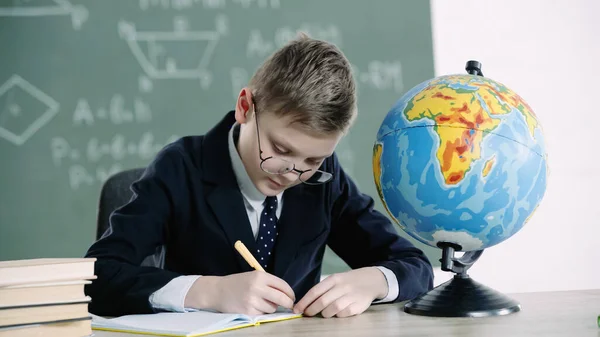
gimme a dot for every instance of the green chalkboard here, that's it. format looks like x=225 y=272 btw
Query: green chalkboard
x=89 y=88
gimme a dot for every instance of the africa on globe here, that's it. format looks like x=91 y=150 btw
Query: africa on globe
x=460 y=159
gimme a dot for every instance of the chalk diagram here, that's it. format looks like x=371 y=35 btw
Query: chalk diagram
x=24 y=109
x=177 y=54
x=31 y=8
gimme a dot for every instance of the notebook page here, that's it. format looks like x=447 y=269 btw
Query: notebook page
x=188 y=323
x=279 y=315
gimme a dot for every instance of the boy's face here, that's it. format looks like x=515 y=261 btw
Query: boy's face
x=282 y=139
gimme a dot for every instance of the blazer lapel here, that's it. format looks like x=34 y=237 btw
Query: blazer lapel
x=225 y=197
x=228 y=205
x=297 y=225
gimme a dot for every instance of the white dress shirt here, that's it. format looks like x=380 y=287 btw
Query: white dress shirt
x=171 y=297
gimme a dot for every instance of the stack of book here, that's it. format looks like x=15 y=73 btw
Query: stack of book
x=45 y=297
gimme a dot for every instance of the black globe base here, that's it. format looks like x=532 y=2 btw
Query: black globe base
x=462 y=297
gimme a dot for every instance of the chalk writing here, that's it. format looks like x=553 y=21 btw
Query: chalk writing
x=145 y=85
x=18 y=124
x=181 y=5
x=118 y=148
x=98 y=160
x=79 y=175
x=260 y=46
x=78 y=13
x=259 y=3
x=381 y=75
x=177 y=54
x=116 y=112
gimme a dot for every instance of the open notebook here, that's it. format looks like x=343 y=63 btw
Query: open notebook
x=188 y=324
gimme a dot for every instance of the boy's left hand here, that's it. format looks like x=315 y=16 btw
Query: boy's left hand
x=344 y=294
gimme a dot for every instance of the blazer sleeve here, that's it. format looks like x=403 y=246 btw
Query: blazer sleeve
x=136 y=230
x=362 y=236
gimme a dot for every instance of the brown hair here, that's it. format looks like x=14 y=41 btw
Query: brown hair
x=309 y=80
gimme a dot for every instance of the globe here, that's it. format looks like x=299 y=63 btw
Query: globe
x=460 y=159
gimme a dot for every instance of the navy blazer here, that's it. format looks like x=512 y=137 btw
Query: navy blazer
x=188 y=200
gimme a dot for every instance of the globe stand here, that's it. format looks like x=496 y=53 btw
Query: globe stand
x=461 y=296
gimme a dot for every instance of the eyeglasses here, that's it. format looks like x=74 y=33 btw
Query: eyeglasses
x=275 y=165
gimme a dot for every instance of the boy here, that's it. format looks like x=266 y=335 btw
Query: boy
x=266 y=175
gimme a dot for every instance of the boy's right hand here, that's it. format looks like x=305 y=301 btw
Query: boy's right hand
x=251 y=293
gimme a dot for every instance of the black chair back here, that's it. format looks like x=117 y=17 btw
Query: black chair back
x=116 y=192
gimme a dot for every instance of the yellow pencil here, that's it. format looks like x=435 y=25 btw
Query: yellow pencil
x=241 y=248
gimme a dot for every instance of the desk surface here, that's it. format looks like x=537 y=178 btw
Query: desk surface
x=565 y=313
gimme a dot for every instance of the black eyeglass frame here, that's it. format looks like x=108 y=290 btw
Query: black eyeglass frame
x=293 y=165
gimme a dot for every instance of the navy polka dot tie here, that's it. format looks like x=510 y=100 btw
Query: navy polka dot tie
x=267 y=232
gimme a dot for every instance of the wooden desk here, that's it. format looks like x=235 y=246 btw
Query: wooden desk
x=568 y=313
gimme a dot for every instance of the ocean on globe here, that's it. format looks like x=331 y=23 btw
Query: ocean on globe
x=460 y=159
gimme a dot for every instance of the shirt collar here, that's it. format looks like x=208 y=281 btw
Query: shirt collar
x=254 y=197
